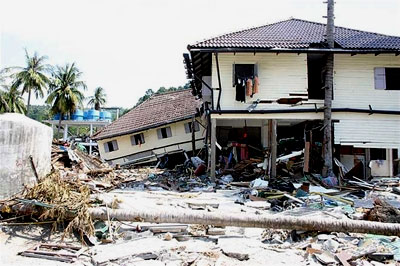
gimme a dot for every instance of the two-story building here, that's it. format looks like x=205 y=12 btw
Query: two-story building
x=272 y=77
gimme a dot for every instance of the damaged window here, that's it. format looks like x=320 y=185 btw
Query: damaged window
x=137 y=139
x=378 y=154
x=387 y=78
x=316 y=76
x=188 y=127
x=111 y=146
x=164 y=133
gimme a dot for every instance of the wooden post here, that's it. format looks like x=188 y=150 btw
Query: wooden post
x=272 y=135
x=90 y=141
x=306 y=157
x=389 y=157
x=213 y=147
x=65 y=137
x=327 y=141
x=367 y=160
x=193 y=136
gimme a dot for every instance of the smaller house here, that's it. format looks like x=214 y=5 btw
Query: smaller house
x=160 y=125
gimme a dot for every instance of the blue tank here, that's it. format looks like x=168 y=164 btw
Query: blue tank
x=102 y=115
x=107 y=116
x=56 y=117
x=93 y=115
x=77 y=115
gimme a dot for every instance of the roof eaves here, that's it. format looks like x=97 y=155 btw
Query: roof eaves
x=143 y=128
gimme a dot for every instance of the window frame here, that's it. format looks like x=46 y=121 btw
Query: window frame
x=167 y=130
x=188 y=127
x=135 y=137
x=381 y=79
x=113 y=146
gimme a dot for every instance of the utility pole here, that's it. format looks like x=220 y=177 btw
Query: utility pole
x=327 y=142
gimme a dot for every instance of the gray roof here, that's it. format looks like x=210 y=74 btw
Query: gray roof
x=299 y=34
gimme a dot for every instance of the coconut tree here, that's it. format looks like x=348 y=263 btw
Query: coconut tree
x=98 y=99
x=65 y=94
x=11 y=100
x=3 y=103
x=32 y=77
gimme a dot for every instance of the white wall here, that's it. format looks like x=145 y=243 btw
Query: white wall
x=279 y=75
x=354 y=85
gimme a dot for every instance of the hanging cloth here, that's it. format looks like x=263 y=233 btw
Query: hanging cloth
x=256 y=85
x=249 y=87
x=240 y=91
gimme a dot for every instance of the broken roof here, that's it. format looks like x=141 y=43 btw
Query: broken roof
x=299 y=34
x=158 y=110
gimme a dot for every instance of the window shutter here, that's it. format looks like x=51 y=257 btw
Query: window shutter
x=133 y=141
x=106 y=147
x=169 y=134
x=187 y=128
x=115 y=145
x=380 y=78
x=159 y=133
x=196 y=126
x=142 y=137
x=256 y=70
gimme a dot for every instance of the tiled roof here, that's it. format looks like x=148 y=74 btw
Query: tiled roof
x=156 y=111
x=297 y=34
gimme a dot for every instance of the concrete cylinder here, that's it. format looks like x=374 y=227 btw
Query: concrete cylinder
x=20 y=138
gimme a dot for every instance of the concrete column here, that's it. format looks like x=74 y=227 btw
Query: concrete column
x=213 y=147
x=272 y=132
x=65 y=132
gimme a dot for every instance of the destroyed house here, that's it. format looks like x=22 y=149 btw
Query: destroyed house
x=158 y=126
x=268 y=80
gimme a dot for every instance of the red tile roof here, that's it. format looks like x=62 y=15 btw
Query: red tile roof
x=158 y=110
x=298 y=34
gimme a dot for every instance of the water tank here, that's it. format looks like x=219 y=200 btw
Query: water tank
x=77 y=115
x=93 y=114
x=102 y=115
x=107 y=116
x=56 y=117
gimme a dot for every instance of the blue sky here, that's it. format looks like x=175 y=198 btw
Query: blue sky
x=128 y=47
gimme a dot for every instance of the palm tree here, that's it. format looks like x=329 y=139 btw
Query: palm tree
x=32 y=77
x=98 y=99
x=3 y=103
x=64 y=91
x=11 y=100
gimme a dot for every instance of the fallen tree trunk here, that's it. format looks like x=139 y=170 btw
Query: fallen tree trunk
x=249 y=220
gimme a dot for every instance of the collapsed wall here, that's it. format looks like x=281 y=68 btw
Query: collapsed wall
x=20 y=138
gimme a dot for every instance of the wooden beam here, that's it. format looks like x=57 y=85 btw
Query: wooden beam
x=272 y=135
x=193 y=135
x=213 y=148
x=367 y=160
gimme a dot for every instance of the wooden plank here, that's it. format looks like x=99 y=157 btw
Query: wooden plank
x=306 y=157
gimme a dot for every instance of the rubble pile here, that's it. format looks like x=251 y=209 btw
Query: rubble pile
x=80 y=183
